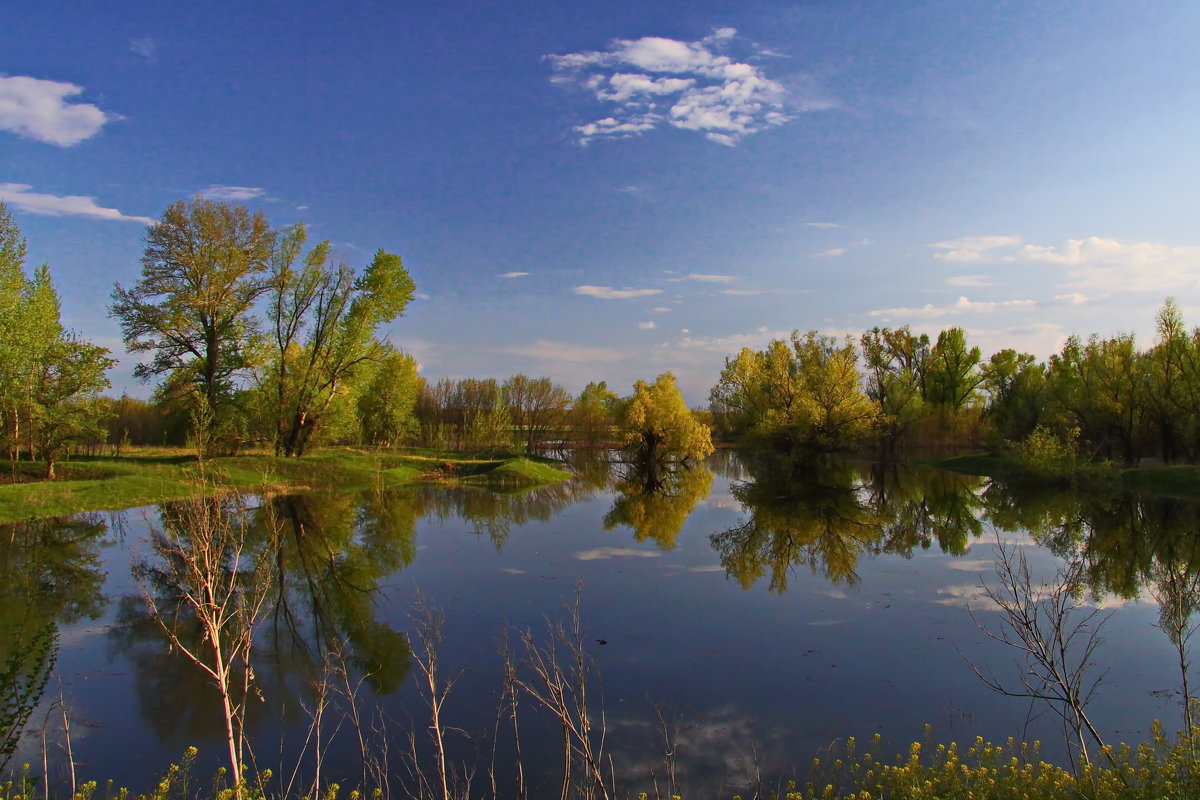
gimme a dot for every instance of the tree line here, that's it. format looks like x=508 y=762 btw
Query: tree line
x=894 y=389
x=255 y=336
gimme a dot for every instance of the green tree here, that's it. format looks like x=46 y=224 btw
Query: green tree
x=594 y=413
x=953 y=375
x=66 y=404
x=895 y=364
x=1017 y=393
x=657 y=425
x=388 y=398
x=325 y=319
x=806 y=394
x=204 y=266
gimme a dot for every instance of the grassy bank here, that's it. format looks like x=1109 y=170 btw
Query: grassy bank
x=1171 y=481
x=148 y=476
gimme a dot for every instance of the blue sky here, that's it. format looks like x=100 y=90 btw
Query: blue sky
x=610 y=190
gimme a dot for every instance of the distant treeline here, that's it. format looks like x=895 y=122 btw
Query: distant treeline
x=894 y=390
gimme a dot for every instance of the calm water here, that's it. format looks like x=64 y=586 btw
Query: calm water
x=765 y=615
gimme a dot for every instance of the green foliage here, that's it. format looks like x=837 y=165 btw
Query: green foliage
x=204 y=266
x=1045 y=456
x=387 y=399
x=594 y=414
x=657 y=426
x=805 y=395
x=324 y=321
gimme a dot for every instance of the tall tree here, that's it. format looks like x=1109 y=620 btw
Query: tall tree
x=205 y=264
x=325 y=319
x=953 y=375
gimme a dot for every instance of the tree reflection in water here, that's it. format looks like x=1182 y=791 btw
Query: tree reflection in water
x=330 y=555
x=656 y=500
x=827 y=517
x=53 y=577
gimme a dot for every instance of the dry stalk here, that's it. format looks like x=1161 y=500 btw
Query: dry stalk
x=563 y=692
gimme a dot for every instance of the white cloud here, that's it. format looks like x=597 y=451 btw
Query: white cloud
x=654 y=81
x=217 y=192
x=832 y=252
x=1072 y=298
x=513 y=274
x=970 y=280
x=745 y=292
x=545 y=350
x=145 y=47
x=1110 y=265
x=730 y=344
x=38 y=109
x=647 y=326
x=962 y=305
x=1093 y=264
x=660 y=309
x=695 y=276
x=49 y=205
x=824 y=225
x=609 y=293
x=973 y=248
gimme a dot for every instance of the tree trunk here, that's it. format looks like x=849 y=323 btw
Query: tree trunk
x=49 y=467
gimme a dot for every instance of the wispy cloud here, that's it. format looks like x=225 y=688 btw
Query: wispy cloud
x=218 y=192
x=661 y=309
x=963 y=305
x=647 y=326
x=50 y=205
x=609 y=293
x=832 y=252
x=654 y=81
x=970 y=280
x=972 y=248
x=824 y=225
x=145 y=47
x=546 y=350
x=513 y=274
x=696 y=276
x=40 y=110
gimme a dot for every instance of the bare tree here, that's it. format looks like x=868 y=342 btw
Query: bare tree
x=1055 y=636
x=207 y=579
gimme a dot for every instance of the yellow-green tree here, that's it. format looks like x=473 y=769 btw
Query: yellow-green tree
x=657 y=425
x=806 y=393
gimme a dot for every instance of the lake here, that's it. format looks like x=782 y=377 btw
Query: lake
x=756 y=616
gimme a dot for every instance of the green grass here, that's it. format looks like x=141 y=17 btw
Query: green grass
x=1171 y=481
x=145 y=477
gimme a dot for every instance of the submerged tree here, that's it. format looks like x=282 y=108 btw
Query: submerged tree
x=658 y=426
